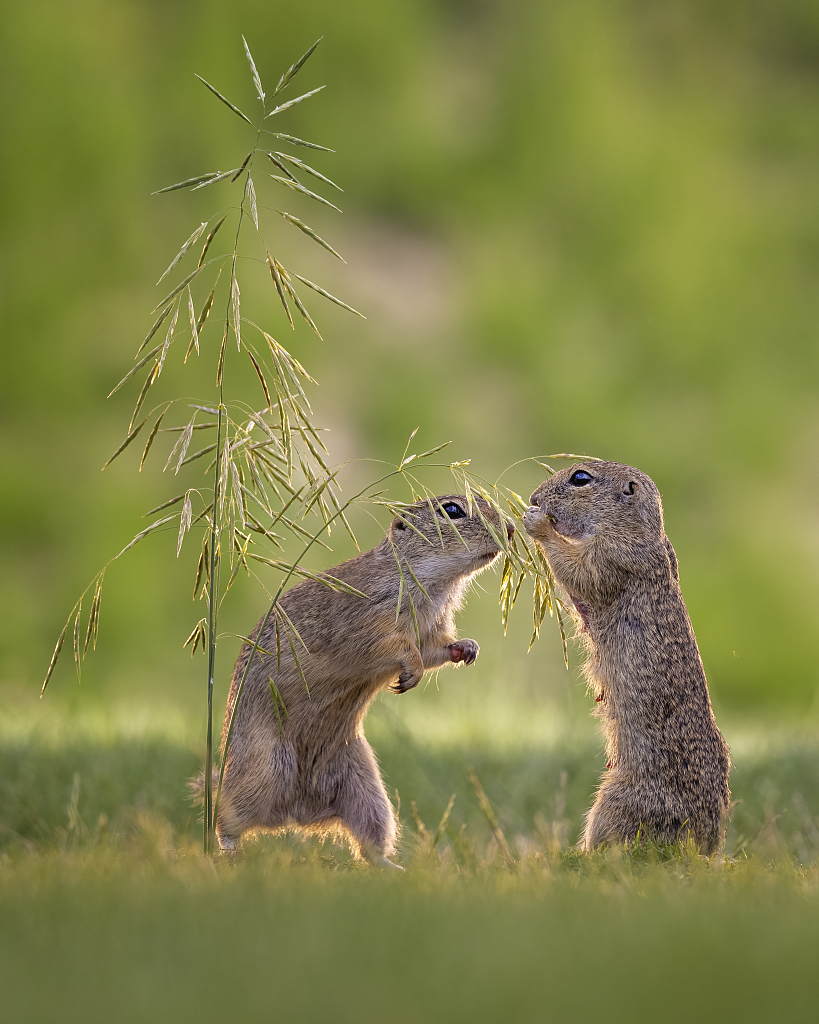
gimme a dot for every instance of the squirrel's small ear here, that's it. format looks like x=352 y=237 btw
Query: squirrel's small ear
x=398 y=523
x=631 y=487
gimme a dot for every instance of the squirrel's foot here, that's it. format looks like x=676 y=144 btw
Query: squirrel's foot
x=464 y=650
x=406 y=681
x=372 y=855
x=385 y=862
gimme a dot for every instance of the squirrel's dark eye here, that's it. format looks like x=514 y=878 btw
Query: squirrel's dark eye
x=580 y=477
x=454 y=511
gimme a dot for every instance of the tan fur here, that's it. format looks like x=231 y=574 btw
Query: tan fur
x=668 y=765
x=314 y=769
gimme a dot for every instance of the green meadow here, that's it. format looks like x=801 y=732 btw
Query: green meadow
x=584 y=226
x=109 y=907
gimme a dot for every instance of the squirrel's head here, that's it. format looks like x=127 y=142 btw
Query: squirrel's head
x=447 y=537
x=600 y=524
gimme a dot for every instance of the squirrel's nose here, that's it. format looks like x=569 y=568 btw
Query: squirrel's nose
x=510 y=530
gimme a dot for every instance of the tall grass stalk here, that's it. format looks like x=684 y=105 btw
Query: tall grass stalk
x=269 y=468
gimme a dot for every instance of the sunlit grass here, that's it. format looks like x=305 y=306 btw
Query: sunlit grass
x=109 y=910
x=91 y=770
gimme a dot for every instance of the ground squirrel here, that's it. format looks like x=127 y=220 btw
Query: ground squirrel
x=310 y=767
x=600 y=525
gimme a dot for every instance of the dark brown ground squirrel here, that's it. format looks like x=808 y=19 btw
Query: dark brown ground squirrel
x=600 y=525
x=311 y=766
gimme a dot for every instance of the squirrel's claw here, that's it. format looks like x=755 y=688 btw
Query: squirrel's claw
x=464 y=650
x=406 y=681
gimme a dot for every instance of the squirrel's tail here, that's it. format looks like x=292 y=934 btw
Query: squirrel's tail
x=196 y=789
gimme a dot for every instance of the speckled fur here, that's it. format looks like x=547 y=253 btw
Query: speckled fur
x=668 y=765
x=317 y=771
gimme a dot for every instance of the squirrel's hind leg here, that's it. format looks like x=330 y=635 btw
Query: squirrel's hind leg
x=362 y=804
x=257 y=786
x=612 y=818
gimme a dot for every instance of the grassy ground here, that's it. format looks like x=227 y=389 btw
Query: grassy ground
x=108 y=911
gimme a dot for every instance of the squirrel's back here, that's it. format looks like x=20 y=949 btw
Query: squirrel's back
x=405 y=590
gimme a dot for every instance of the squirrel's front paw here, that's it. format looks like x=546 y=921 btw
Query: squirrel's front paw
x=406 y=681
x=464 y=650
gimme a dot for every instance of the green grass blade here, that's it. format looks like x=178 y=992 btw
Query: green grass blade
x=282 y=168
x=184 y=522
x=200 y=567
x=294 y=69
x=172 y=295
x=136 y=368
x=143 y=393
x=316 y=238
x=200 y=323
x=261 y=377
x=217 y=177
x=194 y=343
x=276 y=697
x=209 y=239
x=417 y=581
x=77 y=652
x=292 y=103
x=256 y=80
x=157 y=324
x=237 y=491
x=188 y=182
x=164 y=505
x=275 y=273
x=443 y=823
x=491 y=817
x=144 y=533
x=290 y=628
x=220 y=366
x=197 y=455
x=235 y=296
x=300 y=142
x=94 y=616
x=181 y=446
x=224 y=99
x=126 y=442
x=54 y=657
x=307 y=169
x=563 y=639
x=167 y=345
x=432 y=451
x=251 y=195
x=291 y=291
x=338 y=302
x=244 y=164
x=196 y=234
x=304 y=191
x=198 y=635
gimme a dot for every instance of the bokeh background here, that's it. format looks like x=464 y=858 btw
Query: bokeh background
x=574 y=225
x=587 y=226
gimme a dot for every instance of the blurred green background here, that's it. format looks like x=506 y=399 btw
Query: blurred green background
x=587 y=226
x=583 y=225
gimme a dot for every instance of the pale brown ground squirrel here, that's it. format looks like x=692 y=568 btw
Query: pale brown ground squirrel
x=600 y=525
x=310 y=767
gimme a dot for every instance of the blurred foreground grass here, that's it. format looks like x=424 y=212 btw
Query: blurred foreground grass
x=108 y=910
x=90 y=936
